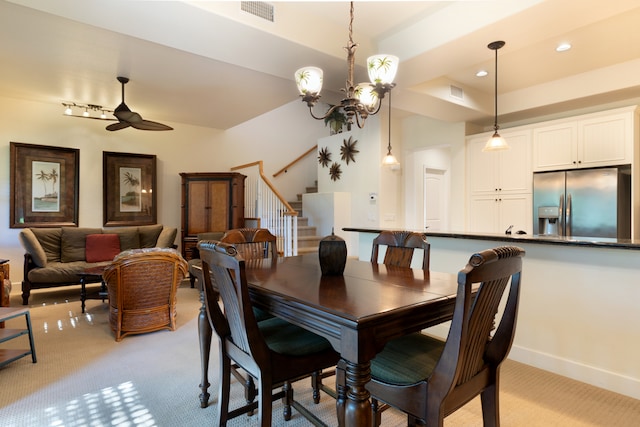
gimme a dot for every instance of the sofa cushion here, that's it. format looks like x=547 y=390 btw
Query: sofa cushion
x=50 y=239
x=149 y=235
x=31 y=244
x=73 y=243
x=167 y=237
x=62 y=272
x=102 y=247
x=129 y=236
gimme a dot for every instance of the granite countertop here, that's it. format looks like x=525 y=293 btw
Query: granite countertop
x=599 y=242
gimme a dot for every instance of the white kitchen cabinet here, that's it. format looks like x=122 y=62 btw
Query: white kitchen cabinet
x=499 y=184
x=592 y=140
x=505 y=172
x=494 y=214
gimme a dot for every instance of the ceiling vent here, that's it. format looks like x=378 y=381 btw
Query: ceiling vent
x=456 y=92
x=258 y=8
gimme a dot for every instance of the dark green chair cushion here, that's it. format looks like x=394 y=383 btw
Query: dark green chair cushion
x=285 y=338
x=407 y=360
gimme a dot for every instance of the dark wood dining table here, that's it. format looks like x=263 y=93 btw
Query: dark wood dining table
x=358 y=312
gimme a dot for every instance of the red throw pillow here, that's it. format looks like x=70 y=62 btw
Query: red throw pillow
x=101 y=247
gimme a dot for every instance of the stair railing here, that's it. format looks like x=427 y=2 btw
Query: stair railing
x=263 y=202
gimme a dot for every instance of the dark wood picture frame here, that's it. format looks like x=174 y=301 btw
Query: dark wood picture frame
x=129 y=191
x=45 y=184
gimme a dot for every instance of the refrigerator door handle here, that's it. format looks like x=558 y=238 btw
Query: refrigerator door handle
x=568 y=216
x=561 y=219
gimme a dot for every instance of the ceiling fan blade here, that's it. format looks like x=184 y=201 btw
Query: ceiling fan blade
x=149 y=125
x=118 y=126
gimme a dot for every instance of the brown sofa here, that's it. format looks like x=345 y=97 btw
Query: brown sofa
x=55 y=256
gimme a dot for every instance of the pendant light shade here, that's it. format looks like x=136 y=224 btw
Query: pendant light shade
x=496 y=142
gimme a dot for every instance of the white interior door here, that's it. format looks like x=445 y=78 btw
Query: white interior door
x=436 y=199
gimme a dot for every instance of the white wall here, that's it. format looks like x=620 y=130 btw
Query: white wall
x=439 y=145
x=277 y=138
x=360 y=178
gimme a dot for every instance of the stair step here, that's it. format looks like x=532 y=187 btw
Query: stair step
x=302 y=251
x=306 y=230
x=309 y=241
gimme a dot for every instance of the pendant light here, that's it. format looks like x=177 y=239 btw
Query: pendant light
x=389 y=159
x=496 y=142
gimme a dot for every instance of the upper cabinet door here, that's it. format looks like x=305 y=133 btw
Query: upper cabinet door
x=514 y=173
x=481 y=167
x=555 y=146
x=606 y=141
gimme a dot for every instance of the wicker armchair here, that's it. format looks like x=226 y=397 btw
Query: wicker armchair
x=142 y=286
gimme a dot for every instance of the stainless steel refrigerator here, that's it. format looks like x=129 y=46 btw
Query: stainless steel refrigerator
x=583 y=203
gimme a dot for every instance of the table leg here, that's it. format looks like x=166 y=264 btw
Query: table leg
x=83 y=291
x=357 y=407
x=204 y=333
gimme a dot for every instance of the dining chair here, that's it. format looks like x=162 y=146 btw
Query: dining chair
x=429 y=378
x=400 y=248
x=273 y=351
x=255 y=245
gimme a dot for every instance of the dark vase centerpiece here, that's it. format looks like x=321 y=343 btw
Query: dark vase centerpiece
x=332 y=252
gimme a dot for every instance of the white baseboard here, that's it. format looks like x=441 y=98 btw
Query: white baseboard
x=578 y=371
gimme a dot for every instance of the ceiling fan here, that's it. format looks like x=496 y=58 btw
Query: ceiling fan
x=127 y=118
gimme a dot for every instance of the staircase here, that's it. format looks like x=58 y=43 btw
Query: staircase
x=308 y=241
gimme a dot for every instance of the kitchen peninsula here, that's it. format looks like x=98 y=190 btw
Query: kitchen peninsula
x=578 y=312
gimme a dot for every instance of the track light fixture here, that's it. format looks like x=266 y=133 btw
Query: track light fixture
x=362 y=100
x=71 y=107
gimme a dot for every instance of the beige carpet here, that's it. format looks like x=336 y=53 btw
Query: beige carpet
x=84 y=378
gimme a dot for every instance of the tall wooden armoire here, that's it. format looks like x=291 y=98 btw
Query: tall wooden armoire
x=211 y=201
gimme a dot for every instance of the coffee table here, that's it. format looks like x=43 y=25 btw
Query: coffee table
x=92 y=275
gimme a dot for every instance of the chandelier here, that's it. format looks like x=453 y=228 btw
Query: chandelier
x=361 y=100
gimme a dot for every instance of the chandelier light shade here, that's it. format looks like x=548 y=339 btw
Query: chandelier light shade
x=496 y=142
x=361 y=100
x=309 y=80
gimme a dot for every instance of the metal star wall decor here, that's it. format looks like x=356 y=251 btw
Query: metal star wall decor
x=335 y=171
x=348 y=150
x=325 y=157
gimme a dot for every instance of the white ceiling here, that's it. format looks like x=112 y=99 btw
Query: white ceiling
x=210 y=64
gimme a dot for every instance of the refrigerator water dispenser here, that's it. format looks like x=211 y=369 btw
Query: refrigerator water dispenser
x=548 y=218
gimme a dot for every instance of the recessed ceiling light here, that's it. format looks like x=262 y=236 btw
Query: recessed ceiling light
x=563 y=47
x=482 y=73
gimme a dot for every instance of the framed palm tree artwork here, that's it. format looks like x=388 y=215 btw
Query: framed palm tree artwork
x=129 y=189
x=44 y=185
